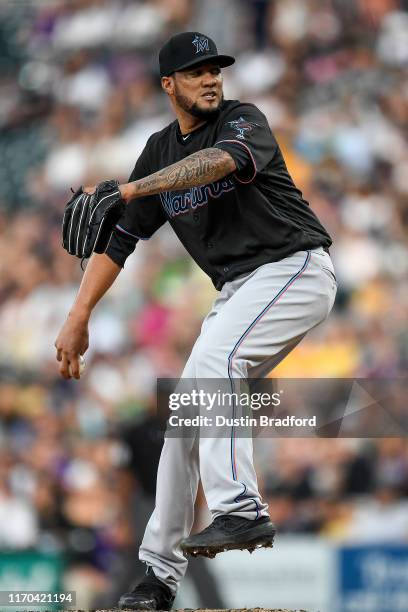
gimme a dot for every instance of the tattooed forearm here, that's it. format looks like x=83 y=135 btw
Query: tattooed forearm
x=200 y=168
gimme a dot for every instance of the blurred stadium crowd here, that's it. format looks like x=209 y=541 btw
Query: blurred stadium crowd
x=80 y=96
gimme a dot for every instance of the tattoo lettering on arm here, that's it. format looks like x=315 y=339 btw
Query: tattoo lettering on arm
x=198 y=169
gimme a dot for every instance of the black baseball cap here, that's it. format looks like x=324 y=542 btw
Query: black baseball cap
x=190 y=49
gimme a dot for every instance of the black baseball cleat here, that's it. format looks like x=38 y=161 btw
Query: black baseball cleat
x=228 y=532
x=150 y=594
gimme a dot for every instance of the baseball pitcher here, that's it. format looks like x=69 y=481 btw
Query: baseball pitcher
x=217 y=175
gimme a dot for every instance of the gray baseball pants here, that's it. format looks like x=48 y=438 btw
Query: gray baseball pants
x=255 y=321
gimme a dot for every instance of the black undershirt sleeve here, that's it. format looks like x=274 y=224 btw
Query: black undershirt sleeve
x=141 y=219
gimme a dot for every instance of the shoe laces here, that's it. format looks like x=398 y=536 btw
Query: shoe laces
x=225 y=522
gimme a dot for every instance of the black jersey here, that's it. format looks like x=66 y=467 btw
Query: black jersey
x=232 y=226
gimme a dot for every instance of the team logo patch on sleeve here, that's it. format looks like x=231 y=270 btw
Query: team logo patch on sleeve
x=241 y=126
x=201 y=44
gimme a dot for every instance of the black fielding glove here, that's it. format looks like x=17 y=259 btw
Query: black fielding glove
x=89 y=220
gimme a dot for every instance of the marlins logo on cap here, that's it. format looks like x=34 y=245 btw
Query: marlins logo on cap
x=201 y=43
x=190 y=49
